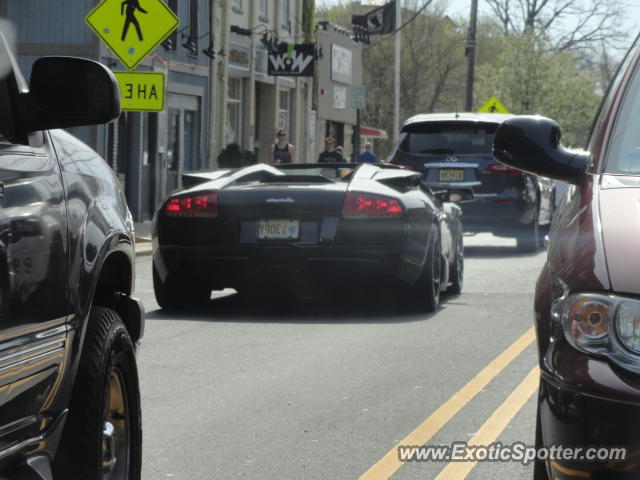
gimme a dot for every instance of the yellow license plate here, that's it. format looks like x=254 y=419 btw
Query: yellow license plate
x=278 y=229
x=451 y=174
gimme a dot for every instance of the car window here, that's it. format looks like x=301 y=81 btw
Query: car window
x=624 y=152
x=448 y=138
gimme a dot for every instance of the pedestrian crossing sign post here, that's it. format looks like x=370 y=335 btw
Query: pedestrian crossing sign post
x=141 y=91
x=493 y=105
x=132 y=29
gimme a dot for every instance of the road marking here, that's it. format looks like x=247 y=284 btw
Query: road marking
x=495 y=425
x=390 y=463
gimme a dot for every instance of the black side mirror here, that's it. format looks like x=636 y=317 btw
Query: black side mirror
x=70 y=92
x=532 y=144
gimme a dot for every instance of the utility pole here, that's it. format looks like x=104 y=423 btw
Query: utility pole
x=470 y=51
x=396 y=84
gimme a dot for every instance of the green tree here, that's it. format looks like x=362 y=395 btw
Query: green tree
x=432 y=63
x=530 y=77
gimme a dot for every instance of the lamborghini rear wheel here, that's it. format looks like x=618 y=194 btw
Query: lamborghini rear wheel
x=425 y=293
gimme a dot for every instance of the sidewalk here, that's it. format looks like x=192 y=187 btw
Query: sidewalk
x=143 y=238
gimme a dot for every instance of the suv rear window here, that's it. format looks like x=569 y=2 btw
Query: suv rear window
x=435 y=138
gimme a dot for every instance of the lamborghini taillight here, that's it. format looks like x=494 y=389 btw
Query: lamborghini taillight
x=202 y=206
x=361 y=205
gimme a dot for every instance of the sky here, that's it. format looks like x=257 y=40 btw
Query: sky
x=462 y=8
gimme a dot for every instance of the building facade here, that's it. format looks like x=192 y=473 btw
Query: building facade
x=218 y=91
x=250 y=104
x=148 y=150
x=339 y=71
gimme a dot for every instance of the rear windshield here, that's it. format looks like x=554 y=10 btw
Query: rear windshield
x=448 y=138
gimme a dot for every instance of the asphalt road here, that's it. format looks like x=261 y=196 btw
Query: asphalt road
x=327 y=389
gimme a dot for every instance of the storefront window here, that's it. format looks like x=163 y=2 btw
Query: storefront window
x=284 y=14
x=283 y=110
x=190 y=135
x=264 y=9
x=234 y=112
x=173 y=149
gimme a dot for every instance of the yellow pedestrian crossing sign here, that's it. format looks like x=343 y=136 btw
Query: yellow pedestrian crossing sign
x=132 y=29
x=493 y=105
x=141 y=91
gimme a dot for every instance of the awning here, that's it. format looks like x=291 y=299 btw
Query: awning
x=373 y=132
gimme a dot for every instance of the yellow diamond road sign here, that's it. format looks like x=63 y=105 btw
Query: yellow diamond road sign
x=141 y=91
x=493 y=105
x=132 y=29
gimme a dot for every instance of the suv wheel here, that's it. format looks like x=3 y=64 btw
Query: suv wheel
x=102 y=438
x=172 y=294
x=530 y=237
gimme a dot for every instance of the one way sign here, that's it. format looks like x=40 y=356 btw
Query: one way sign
x=292 y=60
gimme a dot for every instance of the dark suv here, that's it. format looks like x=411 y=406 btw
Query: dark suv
x=454 y=150
x=69 y=398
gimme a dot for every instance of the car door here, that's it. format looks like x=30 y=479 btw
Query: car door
x=34 y=267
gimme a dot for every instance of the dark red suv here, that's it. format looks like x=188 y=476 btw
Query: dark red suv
x=587 y=306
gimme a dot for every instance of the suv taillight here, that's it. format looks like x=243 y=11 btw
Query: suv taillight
x=500 y=168
x=361 y=205
x=200 y=206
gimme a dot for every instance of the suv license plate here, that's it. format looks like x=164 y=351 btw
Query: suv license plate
x=451 y=175
x=278 y=229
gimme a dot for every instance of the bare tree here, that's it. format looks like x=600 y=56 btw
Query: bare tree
x=572 y=24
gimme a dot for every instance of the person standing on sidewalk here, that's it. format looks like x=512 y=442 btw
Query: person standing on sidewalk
x=282 y=151
x=368 y=156
x=330 y=154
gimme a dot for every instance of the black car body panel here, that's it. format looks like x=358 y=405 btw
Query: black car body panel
x=66 y=244
x=454 y=150
x=331 y=250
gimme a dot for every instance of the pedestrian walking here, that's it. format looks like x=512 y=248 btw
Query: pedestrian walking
x=281 y=151
x=330 y=153
x=368 y=156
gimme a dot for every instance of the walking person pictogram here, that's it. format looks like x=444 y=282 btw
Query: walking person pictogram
x=131 y=7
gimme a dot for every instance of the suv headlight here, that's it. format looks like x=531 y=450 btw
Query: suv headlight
x=602 y=325
x=628 y=324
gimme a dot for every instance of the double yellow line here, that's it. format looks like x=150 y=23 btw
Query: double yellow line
x=390 y=463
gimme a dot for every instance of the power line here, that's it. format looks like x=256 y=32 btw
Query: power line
x=413 y=17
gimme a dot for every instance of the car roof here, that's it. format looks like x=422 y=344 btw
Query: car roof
x=459 y=116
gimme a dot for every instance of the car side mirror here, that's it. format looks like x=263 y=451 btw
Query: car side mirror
x=532 y=144
x=69 y=92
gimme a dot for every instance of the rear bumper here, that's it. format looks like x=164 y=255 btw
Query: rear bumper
x=498 y=213
x=280 y=266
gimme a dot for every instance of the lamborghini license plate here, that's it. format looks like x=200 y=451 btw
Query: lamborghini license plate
x=451 y=175
x=278 y=229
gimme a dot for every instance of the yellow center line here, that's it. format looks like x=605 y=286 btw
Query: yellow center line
x=390 y=463
x=494 y=426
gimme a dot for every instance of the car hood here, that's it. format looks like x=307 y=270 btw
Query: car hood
x=620 y=218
